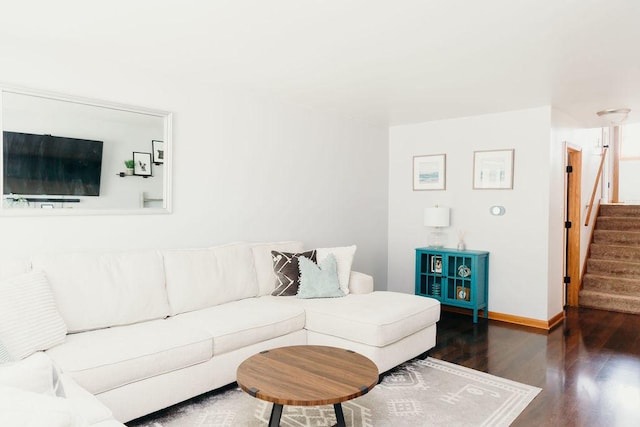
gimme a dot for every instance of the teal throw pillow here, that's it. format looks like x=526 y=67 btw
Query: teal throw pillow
x=319 y=281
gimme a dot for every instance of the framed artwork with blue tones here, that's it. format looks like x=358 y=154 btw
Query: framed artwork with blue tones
x=429 y=172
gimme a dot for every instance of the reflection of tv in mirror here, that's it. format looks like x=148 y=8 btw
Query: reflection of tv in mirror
x=51 y=165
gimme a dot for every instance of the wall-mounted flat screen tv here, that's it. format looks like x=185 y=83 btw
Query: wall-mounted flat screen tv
x=51 y=165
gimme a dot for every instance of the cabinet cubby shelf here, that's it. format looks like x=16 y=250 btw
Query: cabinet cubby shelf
x=455 y=278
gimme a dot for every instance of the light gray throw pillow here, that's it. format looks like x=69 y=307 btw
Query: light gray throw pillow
x=319 y=281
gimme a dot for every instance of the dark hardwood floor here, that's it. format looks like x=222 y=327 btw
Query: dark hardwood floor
x=589 y=377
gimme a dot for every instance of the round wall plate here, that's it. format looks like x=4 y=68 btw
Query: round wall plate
x=497 y=210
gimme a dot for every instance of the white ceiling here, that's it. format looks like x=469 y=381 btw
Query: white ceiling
x=386 y=62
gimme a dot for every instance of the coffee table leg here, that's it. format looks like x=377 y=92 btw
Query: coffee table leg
x=339 y=415
x=276 y=414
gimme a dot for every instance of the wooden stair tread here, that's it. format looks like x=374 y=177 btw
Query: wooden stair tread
x=613 y=261
x=610 y=295
x=612 y=245
x=609 y=301
x=614 y=277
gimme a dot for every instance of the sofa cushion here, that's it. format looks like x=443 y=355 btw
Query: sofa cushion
x=264 y=262
x=99 y=290
x=11 y=265
x=29 y=317
x=287 y=271
x=376 y=319
x=242 y=323
x=319 y=281
x=108 y=358
x=200 y=278
x=344 y=259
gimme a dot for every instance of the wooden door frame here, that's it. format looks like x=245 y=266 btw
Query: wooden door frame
x=573 y=157
x=615 y=164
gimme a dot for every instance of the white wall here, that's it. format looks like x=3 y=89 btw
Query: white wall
x=245 y=168
x=521 y=268
x=629 y=173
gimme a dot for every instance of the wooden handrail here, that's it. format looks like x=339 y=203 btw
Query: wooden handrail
x=595 y=185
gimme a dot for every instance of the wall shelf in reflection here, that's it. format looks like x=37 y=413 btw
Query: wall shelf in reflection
x=123 y=174
x=42 y=200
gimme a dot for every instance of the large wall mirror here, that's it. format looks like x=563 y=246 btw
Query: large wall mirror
x=66 y=155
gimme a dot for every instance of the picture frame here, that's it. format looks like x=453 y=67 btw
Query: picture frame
x=463 y=293
x=436 y=264
x=141 y=164
x=429 y=172
x=157 y=148
x=493 y=169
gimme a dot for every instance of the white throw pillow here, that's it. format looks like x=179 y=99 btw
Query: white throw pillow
x=34 y=373
x=344 y=258
x=29 y=317
x=20 y=408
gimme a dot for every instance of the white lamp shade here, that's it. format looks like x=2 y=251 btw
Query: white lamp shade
x=436 y=217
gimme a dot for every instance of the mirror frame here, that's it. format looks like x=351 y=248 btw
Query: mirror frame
x=168 y=164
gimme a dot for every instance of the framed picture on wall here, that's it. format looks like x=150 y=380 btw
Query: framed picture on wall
x=141 y=163
x=158 y=151
x=493 y=169
x=429 y=172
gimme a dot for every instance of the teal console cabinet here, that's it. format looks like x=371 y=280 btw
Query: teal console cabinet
x=455 y=278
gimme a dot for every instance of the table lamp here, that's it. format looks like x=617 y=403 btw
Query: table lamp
x=436 y=218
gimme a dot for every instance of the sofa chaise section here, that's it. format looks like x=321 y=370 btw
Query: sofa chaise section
x=387 y=327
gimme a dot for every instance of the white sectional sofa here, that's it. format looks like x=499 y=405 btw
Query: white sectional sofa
x=149 y=329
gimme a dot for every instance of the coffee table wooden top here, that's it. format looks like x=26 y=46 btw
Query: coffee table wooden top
x=307 y=375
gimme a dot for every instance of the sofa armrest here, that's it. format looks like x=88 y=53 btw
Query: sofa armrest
x=360 y=283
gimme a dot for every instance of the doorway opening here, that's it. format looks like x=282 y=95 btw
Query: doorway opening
x=573 y=185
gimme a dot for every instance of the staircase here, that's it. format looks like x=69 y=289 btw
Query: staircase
x=612 y=278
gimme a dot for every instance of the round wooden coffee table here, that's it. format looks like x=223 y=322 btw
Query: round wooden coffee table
x=307 y=375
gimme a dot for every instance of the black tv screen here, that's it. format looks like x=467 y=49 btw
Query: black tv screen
x=51 y=165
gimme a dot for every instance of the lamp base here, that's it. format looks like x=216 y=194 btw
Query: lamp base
x=437 y=238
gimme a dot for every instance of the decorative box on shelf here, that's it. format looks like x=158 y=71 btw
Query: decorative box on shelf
x=455 y=278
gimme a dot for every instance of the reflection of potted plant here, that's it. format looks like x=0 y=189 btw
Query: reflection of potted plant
x=129 y=165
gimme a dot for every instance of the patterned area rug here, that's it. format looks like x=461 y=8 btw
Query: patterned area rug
x=418 y=393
